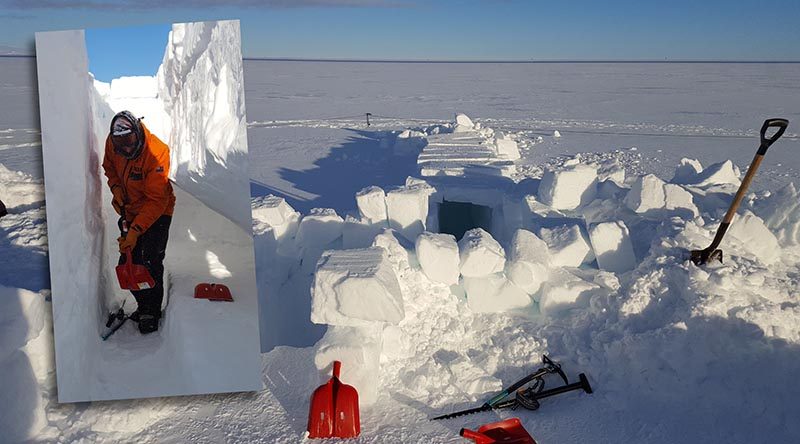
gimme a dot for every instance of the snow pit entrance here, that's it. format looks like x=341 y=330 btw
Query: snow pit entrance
x=457 y=218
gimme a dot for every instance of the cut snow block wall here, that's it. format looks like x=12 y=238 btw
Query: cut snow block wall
x=568 y=245
x=73 y=190
x=438 y=256
x=356 y=287
x=397 y=254
x=407 y=209
x=493 y=294
x=612 y=246
x=359 y=351
x=480 y=254
x=359 y=233
x=528 y=261
x=651 y=197
x=319 y=228
x=201 y=83
x=273 y=214
x=568 y=188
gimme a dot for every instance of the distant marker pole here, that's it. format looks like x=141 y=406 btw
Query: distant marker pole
x=368 y=114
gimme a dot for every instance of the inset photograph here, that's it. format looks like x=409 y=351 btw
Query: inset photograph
x=144 y=141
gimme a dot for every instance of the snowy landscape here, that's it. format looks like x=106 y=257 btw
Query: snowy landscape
x=584 y=186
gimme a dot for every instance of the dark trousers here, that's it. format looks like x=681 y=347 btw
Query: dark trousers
x=150 y=251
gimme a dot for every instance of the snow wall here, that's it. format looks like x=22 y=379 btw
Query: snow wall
x=71 y=156
x=201 y=85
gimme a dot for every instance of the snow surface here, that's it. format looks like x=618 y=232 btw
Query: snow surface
x=652 y=341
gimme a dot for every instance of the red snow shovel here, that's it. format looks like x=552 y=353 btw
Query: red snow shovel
x=334 y=409
x=712 y=253
x=133 y=276
x=213 y=292
x=509 y=431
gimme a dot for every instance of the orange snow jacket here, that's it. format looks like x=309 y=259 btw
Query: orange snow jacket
x=144 y=181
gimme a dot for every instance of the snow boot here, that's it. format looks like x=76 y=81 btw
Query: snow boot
x=148 y=323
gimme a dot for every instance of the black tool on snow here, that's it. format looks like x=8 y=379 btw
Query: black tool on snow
x=527 y=397
x=115 y=321
x=712 y=253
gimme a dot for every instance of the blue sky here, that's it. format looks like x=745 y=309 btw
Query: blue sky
x=449 y=29
x=130 y=51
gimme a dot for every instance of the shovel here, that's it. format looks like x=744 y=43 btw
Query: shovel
x=712 y=253
x=509 y=431
x=132 y=276
x=334 y=409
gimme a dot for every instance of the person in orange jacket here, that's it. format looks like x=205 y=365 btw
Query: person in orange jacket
x=136 y=164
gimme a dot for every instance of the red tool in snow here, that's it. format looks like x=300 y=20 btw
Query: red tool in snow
x=213 y=292
x=133 y=276
x=509 y=431
x=334 y=409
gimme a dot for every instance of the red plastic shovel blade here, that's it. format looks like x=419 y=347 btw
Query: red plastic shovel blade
x=133 y=276
x=334 y=409
x=213 y=292
x=509 y=431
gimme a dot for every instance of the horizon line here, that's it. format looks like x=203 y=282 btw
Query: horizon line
x=467 y=61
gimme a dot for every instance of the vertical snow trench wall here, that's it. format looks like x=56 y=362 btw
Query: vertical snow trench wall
x=201 y=85
x=75 y=223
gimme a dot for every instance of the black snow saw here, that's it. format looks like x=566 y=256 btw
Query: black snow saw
x=712 y=253
x=527 y=397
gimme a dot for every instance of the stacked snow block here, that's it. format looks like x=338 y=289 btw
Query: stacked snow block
x=359 y=233
x=755 y=238
x=691 y=172
x=651 y=197
x=528 y=261
x=275 y=222
x=355 y=292
x=407 y=209
x=612 y=246
x=564 y=291
x=359 y=351
x=319 y=228
x=493 y=293
x=506 y=147
x=479 y=254
x=438 y=255
x=568 y=245
x=570 y=187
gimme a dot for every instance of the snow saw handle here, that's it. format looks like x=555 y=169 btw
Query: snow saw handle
x=549 y=367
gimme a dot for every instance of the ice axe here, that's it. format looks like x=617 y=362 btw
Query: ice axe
x=712 y=253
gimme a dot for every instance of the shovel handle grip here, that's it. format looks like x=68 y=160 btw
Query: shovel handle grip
x=780 y=124
x=337 y=368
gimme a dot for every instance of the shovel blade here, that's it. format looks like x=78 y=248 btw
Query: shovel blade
x=334 y=411
x=133 y=276
x=702 y=257
x=213 y=292
x=509 y=431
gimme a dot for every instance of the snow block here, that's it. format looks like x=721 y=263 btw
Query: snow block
x=568 y=245
x=507 y=148
x=357 y=233
x=687 y=171
x=493 y=294
x=480 y=254
x=407 y=209
x=273 y=212
x=781 y=214
x=650 y=196
x=359 y=351
x=568 y=188
x=438 y=256
x=371 y=203
x=319 y=228
x=755 y=237
x=718 y=174
x=612 y=246
x=647 y=193
x=528 y=261
x=564 y=291
x=396 y=252
x=463 y=123
x=356 y=287
x=611 y=170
